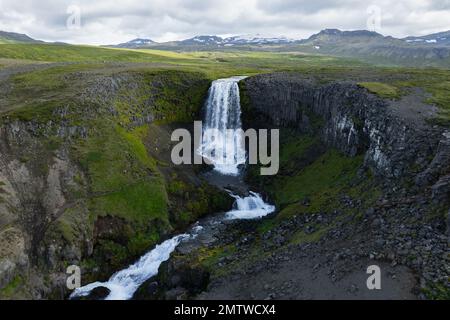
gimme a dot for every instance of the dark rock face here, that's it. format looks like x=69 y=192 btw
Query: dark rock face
x=176 y=280
x=408 y=224
x=440 y=164
x=149 y=290
x=99 y=293
x=441 y=190
x=352 y=120
x=178 y=274
x=46 y=217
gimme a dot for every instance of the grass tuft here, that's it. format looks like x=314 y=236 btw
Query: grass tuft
x=383 y=90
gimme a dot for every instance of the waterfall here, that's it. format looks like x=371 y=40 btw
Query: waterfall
x=222 y=144
x=250 y=207
x=224 y=149
x=124 y=283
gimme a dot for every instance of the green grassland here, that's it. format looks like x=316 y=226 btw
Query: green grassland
x=124 y=181
x=121 y=179
x=183 y=78
x=388 y=82
x=381 y=89
x=312 y=178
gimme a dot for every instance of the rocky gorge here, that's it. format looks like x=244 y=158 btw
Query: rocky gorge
x=360 y=183
x=89 y=182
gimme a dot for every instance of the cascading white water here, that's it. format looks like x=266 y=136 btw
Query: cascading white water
x=124 y=283
x=223 y=112
x=223 y=146
x=251 y=207
x=221 y=143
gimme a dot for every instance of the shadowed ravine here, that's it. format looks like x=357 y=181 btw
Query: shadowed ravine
x=223 y=112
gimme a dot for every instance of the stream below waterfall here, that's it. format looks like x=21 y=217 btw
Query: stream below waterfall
x=225 y=152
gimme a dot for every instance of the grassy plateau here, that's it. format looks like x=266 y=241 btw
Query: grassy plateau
x=107 y=92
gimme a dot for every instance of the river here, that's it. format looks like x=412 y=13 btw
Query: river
x=224 y=150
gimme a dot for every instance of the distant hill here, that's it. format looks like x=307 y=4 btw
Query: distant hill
x=374 y=47
x=257 y=40
x=207 y=42
x=337 y=36
x=367 y=46
x=202 y=40
x=441 y=38
x=135 y=43
x=12 y=37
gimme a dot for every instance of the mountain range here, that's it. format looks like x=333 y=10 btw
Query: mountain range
x=210 y=41
x=429 y=50
x=369 y=46
x=12 y=37
x=135 y=43
x=324 y=36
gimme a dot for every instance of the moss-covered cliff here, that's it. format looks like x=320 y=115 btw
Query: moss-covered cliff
x=85 y=172
x=360 y=159
x=361 y=182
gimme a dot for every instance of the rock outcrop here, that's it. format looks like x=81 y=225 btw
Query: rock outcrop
x=350 y=119
x=80 y=182
x=408 y=155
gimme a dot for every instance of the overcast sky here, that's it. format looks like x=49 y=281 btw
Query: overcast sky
x=115 y=21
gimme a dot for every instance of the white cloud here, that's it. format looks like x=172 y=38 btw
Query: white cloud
x=114 y=21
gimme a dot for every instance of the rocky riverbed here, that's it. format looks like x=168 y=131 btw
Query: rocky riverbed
x=393 y=212
x=363 y=181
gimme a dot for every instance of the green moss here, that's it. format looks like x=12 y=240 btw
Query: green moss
x=111 y=253
x=318 y=179
x=2 y=191
x=143 y=201
x=50 y=79
x=181 y=101
x=293 y=147
x=437 y=291
x=65 y=225
x=124 y=179
x=134 y=139
x=209 y=257
x=190 y=202
x=316 y=121
x=177 y=187
x=435 y=83
x=311 y=180
x=36 y=94
x=383 y=90
x=12 y=288
x=40 y=111
x=53 y=143
x=300 y=237
x=171 y=96
x=51 y=52
x=244 y=99
x=292 y=154
x=142 y=241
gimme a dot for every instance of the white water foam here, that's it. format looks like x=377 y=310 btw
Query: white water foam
x=124 y=284
x=222 y=143
x=251 y=207
x=223 y=112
